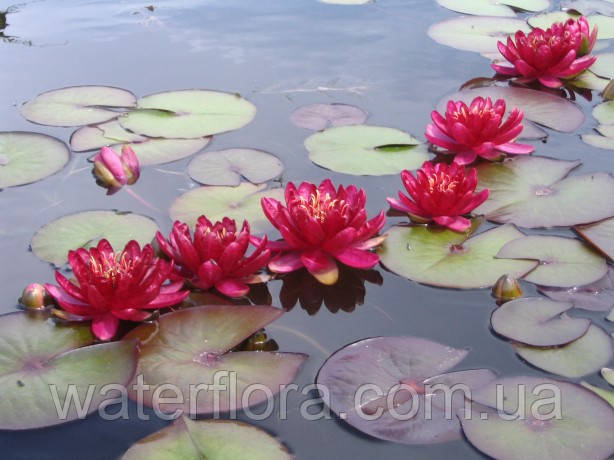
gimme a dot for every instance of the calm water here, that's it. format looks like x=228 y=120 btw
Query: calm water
x=277 y=53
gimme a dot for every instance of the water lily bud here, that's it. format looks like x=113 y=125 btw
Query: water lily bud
x=33 y=296
x=113 y=171
x=131 y=165
x=260 y=342
x=506 y=288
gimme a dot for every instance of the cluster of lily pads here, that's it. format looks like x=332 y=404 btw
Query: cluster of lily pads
x=324 y=229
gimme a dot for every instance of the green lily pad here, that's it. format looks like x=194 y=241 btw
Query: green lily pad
x=226 y=167
x=563 y=262
x=605 y=24
x=52 y=242
x=188 y=114
x=535 y=192
x=581 y=357
x=77 y=105
x=600 y=235
x=475 y=33
x=537 y=321
x=494 y=7
x=583 y=431
x=608 y=395
x=450 y=259
x=95 y=137
x=588 y=80
x=586 y=7
x=39 y=359
x=608 y=375
x=238 y=203
x=188 y=439
x=604 y=113
x=29 y=157
x=366 y=150
x=540 y=107
x=604 y=65
x=601 y=142
x=190 y=347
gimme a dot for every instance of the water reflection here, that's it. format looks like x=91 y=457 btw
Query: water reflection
x=302 y=288
x=3 y=25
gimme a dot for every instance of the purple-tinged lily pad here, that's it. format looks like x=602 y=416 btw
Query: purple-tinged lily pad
x=538 y=322
x=597 y=296
x=604 y=65
x=321 y=116
x=536 y=192
x=476 y=33
x=581 y=357
x=588 y=7
x=608 y=395
x=540 y=107
x=77 y=105
x=39 y=359
x=188 y=114
x=605 y=24
x=189 y=348
x=52 y=242
x=226 y=167
x=366 y=150
x=445 y=258
x=563 y=262
x=97 y=136
x=503 y=8
x=584 y=431
x=531 y=131
x=29 y=157
x=600 y=235
x=385 y=363
x=216 y=202
x=188 y=439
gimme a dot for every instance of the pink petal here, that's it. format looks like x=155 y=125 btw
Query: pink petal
x=286 y=263
x=131 y=314
x=232 y=288
x=357 y=258
x=322 y=266
x=550 y=82
x=458 y=223
x=105 y=327
x=69 y=303
x=514 y=147
x=466 y=157
x=504 y=70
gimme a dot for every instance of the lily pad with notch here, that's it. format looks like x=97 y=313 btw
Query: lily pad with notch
x=187 y=348
x=597 y=296
x=44 y=364
x=445 y=258
x=536 y=192
x=588 y=7
x=188 y=114
x=600 y=235
x=52 y=242
x=505 y=8
x=27 y=157
x=321 y=116
x=77 y=105
x=402 y=370
x=366 y=150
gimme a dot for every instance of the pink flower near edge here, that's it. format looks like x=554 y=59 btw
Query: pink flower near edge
x=477 y=130
x=320 y=226
x=440 y=193
x=559 y=52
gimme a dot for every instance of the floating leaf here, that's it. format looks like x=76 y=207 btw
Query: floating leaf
x=442 y=257
x=597 y=296
x=226 y=167
x=601 y=142
x=77 y=105
x=189 y=347
x=208 y=439
x=531 y=131
x=353 y=150
x=584 y=430
x=600 y=235
x=188 y=114
x=604 y=113
x=95 y=137
x=605 y=24
x=29 y=157
x=581 y=357
x=52 y=242
x=384 y=363
x=604 y=65
x=39 y=358
x=321 y=116
x=538 y=322
x=544 y=108
x=239 y=203
x=535 y=192
x=475 y=33
x=608 y=395
x=586 y=7
x=494 y=7
x=564 y=262
x=589 y=80
x=608 y=375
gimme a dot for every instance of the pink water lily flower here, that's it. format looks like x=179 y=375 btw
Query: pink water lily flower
x=321 y=225
x=114 y=171
x=561 y=51
x=477 y=130
x=441 y=193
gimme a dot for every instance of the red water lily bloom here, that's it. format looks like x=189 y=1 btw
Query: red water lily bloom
x=477 y=130
x=111 y=286
x=320 y=225
x=441 y=193
x=559 y=52
x=216 y=256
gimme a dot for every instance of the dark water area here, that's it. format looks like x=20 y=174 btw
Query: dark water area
x=279 y=54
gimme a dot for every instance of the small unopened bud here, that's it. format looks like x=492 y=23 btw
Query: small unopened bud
x=33 y=296
x=260 y=342
x=506 y=288
x=113 y=171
